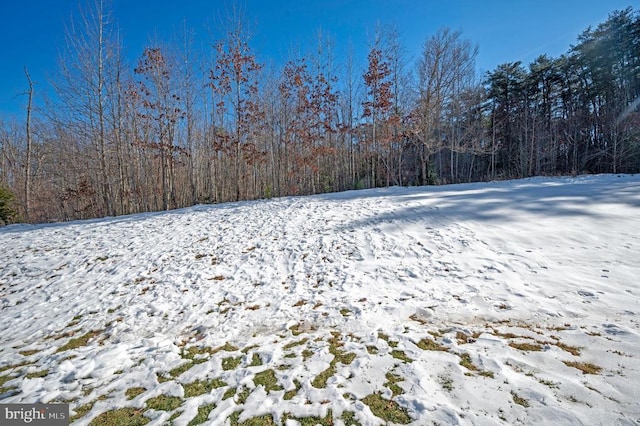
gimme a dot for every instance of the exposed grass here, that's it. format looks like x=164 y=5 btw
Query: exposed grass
x=548 y=383
x=427 y=344
x=79 y=341
x=372 y=350
x=349 y=418
x=37 y=374
x=465 y=361
x=266 y=420
x=345 y=312
x=385 y=337
x=175 y=372
x=519 y=400
x=294 y=344
x=293 y=392
x=200 y=387
x=81 y=411
x=387 y=410
x=203 y=414
x=528 y=347
x=392 y=383
x=299 y=303
x=416 y=318
x=268 y=380
x=174 y=416
x=164 y=402
x=248 y=348
x=486 y=373
x=231 y=363
x=446 y=382
x=242 y=395
x=311 y=421
x=10 y=366
x=295 y=330
x=573 y=350
x=320 y=381
x=306 y=354
x=255 y=361
x=29 y=352
x=133 y=392
x=585 y=367
x=120 y=417
x=398 y=354
x=229 y=393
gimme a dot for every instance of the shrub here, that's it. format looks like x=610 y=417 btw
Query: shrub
x=8 y=212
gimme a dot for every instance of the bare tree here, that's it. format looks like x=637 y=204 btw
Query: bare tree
x=27 y=161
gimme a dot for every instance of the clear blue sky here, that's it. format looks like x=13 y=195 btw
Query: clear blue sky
x=32 y=32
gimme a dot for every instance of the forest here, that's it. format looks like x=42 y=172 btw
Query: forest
x=177 y=128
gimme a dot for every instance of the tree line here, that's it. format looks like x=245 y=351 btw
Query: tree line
x=178 y=128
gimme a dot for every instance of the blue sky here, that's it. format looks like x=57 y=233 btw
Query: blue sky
x=32 y=32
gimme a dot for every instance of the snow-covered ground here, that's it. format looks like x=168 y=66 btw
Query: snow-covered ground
x=462 y=304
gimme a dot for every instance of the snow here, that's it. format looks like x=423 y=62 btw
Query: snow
x=550 y=262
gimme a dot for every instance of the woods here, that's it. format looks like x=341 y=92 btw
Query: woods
x=180 y=127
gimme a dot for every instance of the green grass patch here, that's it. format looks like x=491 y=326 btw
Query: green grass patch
x=174 y=416
x=345 y=312
x=255 y=361
x=585 y=367
x=392 y=383
x=320 y=381
x=528 y=347
x=81 y=411
x=133 y=392
x=295 y=330
x=465 y=361
x=231 y=363
x=29 y=352
x=242 y=395
x=37 y=374
x=294 y=344
x=120 y=417
x=79 y=341
x=306 y=354
x=10 y=366
x=387 y=410
x=203 y=414
x=266 y=420
x=311 y=421
x=386 y=338
x=200 y=387
x=372 y=350
x=195 y=353
x=164 y=402
x=349 y=418
x=229 y=393
x=519 y=400
x=267 y=379
x=175 y=372
x=293 y=392
x=398 y=354
x=427 y=344
x=248 y=348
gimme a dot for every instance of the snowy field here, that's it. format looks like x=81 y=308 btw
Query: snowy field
x=498 y=303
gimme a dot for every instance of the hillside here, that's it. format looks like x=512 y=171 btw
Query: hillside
x=491 y=303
